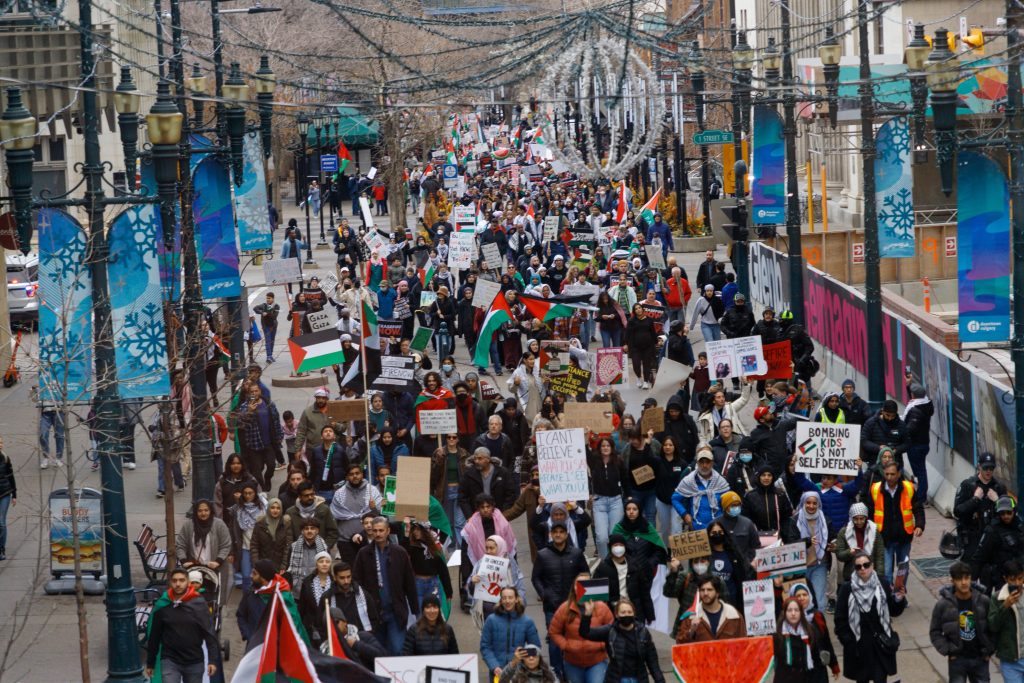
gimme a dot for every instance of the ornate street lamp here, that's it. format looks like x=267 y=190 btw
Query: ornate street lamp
x=771 y=58
x=695 y=61
x=163 y=127
x=830 y=52
x=127 y=102
x=196 y=84
x=17 y=135
x=942 y=70
x=266 y=82
x=743 y=63
x=916 y=53
x=236 y=93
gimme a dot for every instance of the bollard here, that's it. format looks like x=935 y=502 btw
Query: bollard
x=927 y=295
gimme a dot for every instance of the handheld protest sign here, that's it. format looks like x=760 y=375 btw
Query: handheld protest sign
x=689 y=544
x=412 y=488
x=827 y=448
x=562 y=462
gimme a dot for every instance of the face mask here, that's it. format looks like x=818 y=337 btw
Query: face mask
x=535 y=482
x=618 y=550
x=716 y=538
x=447 y=368
x=700 y=567
x=746 y=457
x=735 y=511
x=627 y=620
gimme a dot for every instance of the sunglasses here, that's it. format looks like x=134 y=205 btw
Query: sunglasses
x=452 y=438
x=862 y=565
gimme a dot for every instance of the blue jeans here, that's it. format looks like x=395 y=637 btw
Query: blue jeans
x=918 y=456
x=268 y=338
x=51 y=419
x=586 y=332
x=648 y=502
x=425 y=587
x=245 y=566
x=590 y=674
x=393 y=634
x=554 y=652
x=611 y=338
x=5 y=505
x=454 y=512
x=179 y=481
x=669 y=521
x=328 y=496
x=894 y=554
x=172 y=672
x=973 y=669
x=817 y=577
x=711 y=332
x=1013 y=672
x=495 y=355
x=607 y=513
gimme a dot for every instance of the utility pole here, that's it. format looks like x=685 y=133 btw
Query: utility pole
x=796 y=261
x=1015 y=132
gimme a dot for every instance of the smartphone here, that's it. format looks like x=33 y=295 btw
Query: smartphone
x=1013 y=588
x=532 y=650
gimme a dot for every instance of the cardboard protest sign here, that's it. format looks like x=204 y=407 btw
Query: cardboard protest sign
x=827 y=448
x=347 y=410
x=281 y=271
x=493 y=573
x=461 y=250
x=438 y=421
x=485 y=292
x=654 y=256
x=597 y=417
x=421 y=340
x=689 y=544
x=777 y=356
x=390 y=481
x=492 y=255
x=782 y=560
x=759 y=607
x=412 y=489
x=573 y=381
x=653 y=419
x=609 y=366
x=643 y=474
x=551 y=224
x=319 y=320
x=562 y=461
x=329 y=284
x=397 y=374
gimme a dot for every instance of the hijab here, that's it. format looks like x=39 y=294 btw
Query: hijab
x=804 y=521
x=272 y=522
x=201 y=529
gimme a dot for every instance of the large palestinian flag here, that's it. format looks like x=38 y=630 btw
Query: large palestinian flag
x=317 y=350
x=497 y=313
x=648 y=210
x=559 y=306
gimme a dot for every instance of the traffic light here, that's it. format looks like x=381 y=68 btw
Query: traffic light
x=950 y=41
x=975 y=40
x=736 y=222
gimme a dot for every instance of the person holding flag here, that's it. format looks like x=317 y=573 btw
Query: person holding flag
x=347 y=641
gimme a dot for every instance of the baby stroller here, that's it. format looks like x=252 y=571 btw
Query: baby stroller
x=210 y=589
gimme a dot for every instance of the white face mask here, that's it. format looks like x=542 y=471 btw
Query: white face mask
x=618 y=550
x=700 y=567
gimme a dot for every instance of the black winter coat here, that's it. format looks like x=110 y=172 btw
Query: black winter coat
x=944 y=630
x=856 y=409
x=335 y=473
x=464 y=318
x=760 y=506
x=401 y=579
x=768 y=444
x=918 y=423
x=683 y=430
x=973 y=515
x=555 y=572
x=625 y=659
x=638 y=585
x=640 y=336
x=877 y=433
x=420 y=642
x=863 y=659
x=769 y=332
x=737 y=322
x=504 y=488
x=348 y=604
x=999 y=543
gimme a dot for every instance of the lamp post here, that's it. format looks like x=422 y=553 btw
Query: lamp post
x=163 y=127
x=236 y=93
x=771 y=60
x=17 y=131
x=303 y=126
x=742 y=62
x=831 y=52
x=320 y=122
x=943 y=75
x=196 y=84
x=266 y=81
x=127 y=104
x=696 y=65
x=916 y=52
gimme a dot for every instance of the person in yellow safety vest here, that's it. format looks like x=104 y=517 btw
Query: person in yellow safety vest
x=898 y=516
x=830 y=412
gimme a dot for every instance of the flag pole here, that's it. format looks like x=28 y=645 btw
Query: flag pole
x=366 y=399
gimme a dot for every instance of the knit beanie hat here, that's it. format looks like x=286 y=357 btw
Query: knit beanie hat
x=266 y=569
x=729 y=499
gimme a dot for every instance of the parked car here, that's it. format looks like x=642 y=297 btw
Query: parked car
x=23 y=289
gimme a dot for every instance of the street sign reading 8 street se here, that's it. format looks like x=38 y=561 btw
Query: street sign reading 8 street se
x=713 y=137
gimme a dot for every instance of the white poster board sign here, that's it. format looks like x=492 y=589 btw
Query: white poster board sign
x=281 y=271
x=781 y=560
x=827 y=448
x=551 y=227
x=438 y=421
x=492 y=255
x=592 y=290
x=375 y=241
x=562 y=461
x=463 y=215
x=759 y=607
x=364 y=207
x=485 y=292
x=654 y=256
x=461 y=250
x=737 y=357
x=329 y=284
x=493 y=573
x=413 y=669
x=372 y=174
x=319 y=320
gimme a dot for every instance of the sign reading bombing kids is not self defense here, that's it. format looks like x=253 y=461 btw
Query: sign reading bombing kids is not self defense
x=827 y=448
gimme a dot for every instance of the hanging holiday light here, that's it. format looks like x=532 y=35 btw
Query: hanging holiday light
x=605 y=111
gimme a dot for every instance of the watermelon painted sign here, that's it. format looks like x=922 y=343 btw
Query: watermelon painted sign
x=734 y=660
x=759 y=607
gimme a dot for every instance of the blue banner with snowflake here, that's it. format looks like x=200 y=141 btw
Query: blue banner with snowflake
x=251 y=209
x=767 y=178
x=894 y=189
x=983 y=249
x=133 y=270
x=65 y=309
x=170 y=261
x=215 y=230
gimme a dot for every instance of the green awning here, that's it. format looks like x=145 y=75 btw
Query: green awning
x=354 y=128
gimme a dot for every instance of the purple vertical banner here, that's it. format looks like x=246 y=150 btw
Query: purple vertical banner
x=215 y=230
x=983 y=249
x=894 y=189
x=767 y=181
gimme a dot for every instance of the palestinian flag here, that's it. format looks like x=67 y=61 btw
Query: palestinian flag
x=497 y=313
x=501 y=153
x=225 y=355
x=450 y=158
x=444 y=399
x=592 y=590
x=317 y=350
x=553 y=307
x=648 y=209
x=530 y=212
x=344 y=157
x=370 y=331
x=620 y=211
x=334 y=647
x=284 y=649
x=429 y=169
x=426 y=274
x=517 y=137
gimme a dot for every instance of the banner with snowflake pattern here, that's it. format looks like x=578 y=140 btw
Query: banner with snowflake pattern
x=65 y=309
x=251 y=210
x=894 y=189
x=170 y=262
x=983 y=249
x=215 y=230
x=767 y=179
x=133 y=270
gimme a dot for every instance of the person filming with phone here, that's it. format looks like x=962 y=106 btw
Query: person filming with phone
x=1005 y=620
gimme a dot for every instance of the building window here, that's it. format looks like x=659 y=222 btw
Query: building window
x=56 y=145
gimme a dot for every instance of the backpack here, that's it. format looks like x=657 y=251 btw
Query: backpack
x=414 y=185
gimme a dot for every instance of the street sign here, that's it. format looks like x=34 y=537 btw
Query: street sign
x=713 y=137
x=450 y=173
x=329 y=163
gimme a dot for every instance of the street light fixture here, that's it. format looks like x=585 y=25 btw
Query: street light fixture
x=266 y=82
x=127 y=103
x=830 y=52
x=743 y=62
x=163 y=127
x=942 y=70
x=196 y=84
x=916 y=53
x=771 y=58
x=695 y=61
x=17 y=135
x=236 y=93
x=320 y=122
